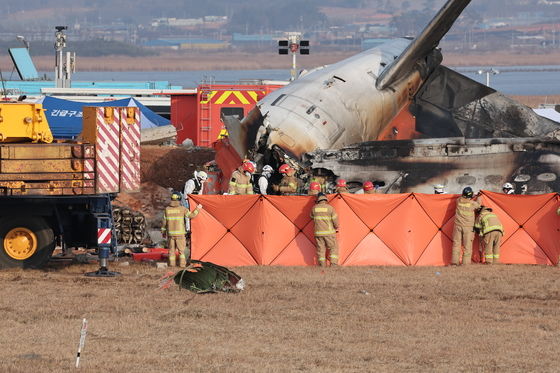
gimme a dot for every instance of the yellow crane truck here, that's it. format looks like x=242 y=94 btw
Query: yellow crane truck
x=59 y=192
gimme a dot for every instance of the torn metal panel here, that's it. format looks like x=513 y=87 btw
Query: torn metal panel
x=418 y=165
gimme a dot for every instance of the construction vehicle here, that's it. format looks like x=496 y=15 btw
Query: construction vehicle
x=55 y=193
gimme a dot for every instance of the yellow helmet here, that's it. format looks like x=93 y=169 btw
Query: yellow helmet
x=175 y=196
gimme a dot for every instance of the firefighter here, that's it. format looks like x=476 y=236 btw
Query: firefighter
x=369 y=188
x=463 y=232
x=341 y=186
x=491 y=230
x=314 y=188
x=240 y=182
x=508 y=188
x=195 y=185
x=322 y=182
x=289 y=184
x=262 y=183
x=326 y=227
x=439 y=189
x=174 y=228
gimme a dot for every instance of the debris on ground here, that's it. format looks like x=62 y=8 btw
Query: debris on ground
x=205 y=277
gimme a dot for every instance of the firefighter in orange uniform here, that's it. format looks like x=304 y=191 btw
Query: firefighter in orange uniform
x=289 y=184
x=174 y=228
x=314 y=189
x=341 y=186
x=240 y=182
x=491 y=230
x=326 y=226
x=463 y=232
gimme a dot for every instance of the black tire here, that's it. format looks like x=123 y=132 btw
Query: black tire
x=45 y=241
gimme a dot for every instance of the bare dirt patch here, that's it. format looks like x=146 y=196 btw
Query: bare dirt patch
x=163 y=168
x=355 y=319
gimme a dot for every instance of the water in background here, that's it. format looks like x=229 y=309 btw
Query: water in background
x=512 y=80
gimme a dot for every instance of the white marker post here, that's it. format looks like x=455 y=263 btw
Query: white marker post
x=83 y=334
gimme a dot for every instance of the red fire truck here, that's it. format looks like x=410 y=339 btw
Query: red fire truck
x=197 y=116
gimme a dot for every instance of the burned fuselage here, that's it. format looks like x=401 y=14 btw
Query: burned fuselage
x=533 y=165
x=363 y=98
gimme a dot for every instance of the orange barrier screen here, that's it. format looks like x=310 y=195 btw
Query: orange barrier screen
x=385 y=229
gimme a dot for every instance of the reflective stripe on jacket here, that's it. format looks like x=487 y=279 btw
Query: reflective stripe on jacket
x=174 y=219
x=288 y=185
x=488 y=222
x=325 y=218
x=240 y=183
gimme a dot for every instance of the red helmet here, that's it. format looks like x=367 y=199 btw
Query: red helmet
x=368 y=185
x=248 y=166
x=314 y=186
x=284 y=169
x=341 y=183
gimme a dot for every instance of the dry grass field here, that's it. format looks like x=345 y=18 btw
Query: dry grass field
x=348 y=319
x=269 y=59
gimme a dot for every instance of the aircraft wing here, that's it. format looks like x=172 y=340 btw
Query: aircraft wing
x=426 y=42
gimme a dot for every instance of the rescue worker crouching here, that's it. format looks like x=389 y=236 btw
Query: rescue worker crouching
x=491 y=230
x=341 y=186
x=463 y=232
x=326 y=227
x=174 y=229
x=240 y=182
x=289 y=184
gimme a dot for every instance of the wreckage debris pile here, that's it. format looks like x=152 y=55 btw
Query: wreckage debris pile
x=130 y=226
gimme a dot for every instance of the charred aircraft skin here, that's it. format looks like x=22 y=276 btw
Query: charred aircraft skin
x=357 y=100
x=417 y=165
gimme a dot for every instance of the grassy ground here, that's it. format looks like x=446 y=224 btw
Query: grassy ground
x=269 y=59
x=356 y=319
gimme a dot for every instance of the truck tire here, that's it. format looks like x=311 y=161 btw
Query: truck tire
x=25 y=242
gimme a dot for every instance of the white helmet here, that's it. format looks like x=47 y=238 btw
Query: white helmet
x=201 y=175
x=267 y=169
x=439 y=189
x=508 y=188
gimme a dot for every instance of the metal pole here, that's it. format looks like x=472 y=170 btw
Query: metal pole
x=293 y=72
x=488 y=78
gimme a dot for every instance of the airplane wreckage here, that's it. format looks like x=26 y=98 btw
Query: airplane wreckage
x=396 y=115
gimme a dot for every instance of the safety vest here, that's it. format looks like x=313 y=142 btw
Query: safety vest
x=257 y=186
x=325 y=218
x=197 y=186
x=488 y=222
x=240 y=183
x=174 y=219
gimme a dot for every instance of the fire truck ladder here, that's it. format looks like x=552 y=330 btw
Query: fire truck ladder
x=205 y=112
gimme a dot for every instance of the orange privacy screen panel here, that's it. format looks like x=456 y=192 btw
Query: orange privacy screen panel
x=394 y=229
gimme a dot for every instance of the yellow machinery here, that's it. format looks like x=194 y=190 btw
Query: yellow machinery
x=20 y=122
